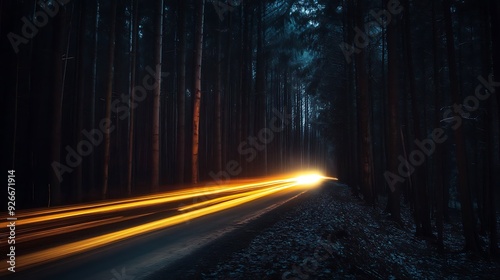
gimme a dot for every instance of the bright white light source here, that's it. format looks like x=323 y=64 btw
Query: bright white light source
x=309 y=179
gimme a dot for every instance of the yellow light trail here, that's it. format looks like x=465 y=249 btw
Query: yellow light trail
x=228 y=197
x=247 y=192
x=31 y=213
x=134 y=203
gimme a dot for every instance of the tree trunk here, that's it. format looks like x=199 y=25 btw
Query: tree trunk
x=155 y=174
x=94 y=93
x=494 y=8
x=392 y=109
x=57 y=98
x=490 y=213
x=231 y=98
x=364 y=118
x=109 y=95
x=181 y=93
x=353 y=179
x=218 y=89
x=246 y=80
x=495 y=40
x=438 y=156
x=198 y=46
x=468 y=220
x=260 y=84
x=80 y=76
x=422 y=221
x=133 y=62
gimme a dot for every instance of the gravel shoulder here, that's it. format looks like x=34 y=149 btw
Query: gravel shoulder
x=328 y=234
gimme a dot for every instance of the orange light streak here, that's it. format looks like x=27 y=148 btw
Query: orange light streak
x=134 y=203
x=235 y=194
x=94 y=242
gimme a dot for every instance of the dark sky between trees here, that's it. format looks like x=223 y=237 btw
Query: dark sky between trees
x=398 y=99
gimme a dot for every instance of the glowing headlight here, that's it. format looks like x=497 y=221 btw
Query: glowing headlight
x=310 y=179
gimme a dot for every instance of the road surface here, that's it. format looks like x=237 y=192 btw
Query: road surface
x=99 y=244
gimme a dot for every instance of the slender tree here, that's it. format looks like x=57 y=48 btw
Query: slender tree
x=80 y=76
x=439 y=186
x=133 y=62
x=198 y=54
x=364 y=117
x=422 y=212
x=468 y=221
x=109 y=96
x=60 y=37
x=94 y=91
x=392 y=99
x=494 y=8
x=246 y=77
x=181 y=92
x=260 y=81
x=156 y=98
x=229 y=123
x=218 y=92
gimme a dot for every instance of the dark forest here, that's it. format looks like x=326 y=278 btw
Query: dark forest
x=390 y=106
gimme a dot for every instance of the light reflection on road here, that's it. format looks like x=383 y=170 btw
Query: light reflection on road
x=215 y=199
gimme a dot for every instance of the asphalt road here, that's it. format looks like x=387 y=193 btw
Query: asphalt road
x=169 y=253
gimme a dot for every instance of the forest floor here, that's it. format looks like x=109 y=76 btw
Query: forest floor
x=333 y=235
